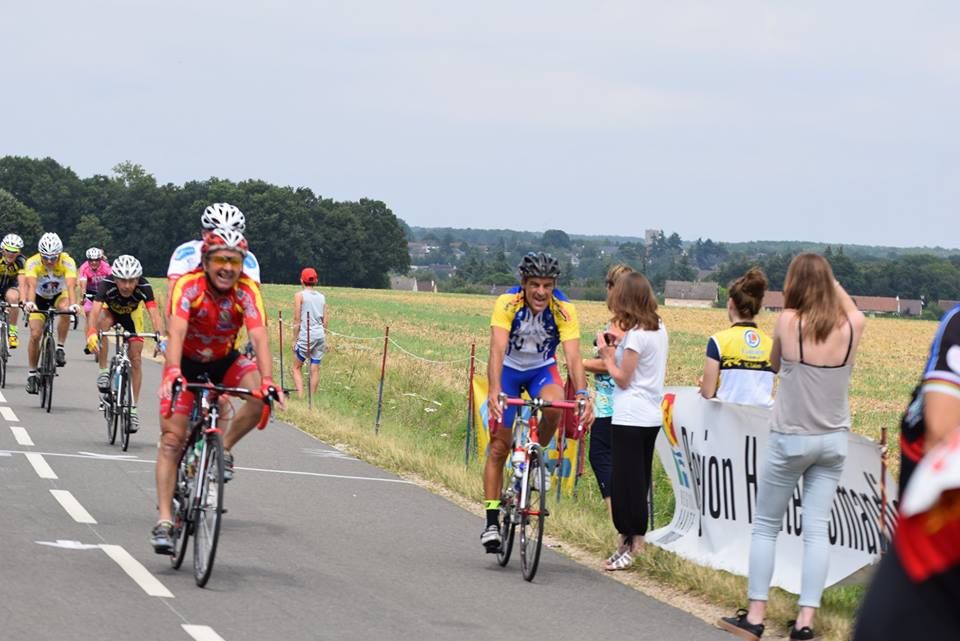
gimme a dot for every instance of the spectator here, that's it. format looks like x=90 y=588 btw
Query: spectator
x=814 y=344
x=637 y=365
x=310 y=316
x=737 y=368
x=603 y=399
x=916 y=589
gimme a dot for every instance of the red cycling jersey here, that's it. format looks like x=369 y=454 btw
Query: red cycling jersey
x=214 y=319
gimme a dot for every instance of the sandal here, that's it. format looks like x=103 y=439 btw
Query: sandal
x=622 y=562
x=620 y=549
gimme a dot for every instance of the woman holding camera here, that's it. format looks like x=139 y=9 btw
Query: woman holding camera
x=638 y=365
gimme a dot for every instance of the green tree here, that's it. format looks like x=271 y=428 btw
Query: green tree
x=556 y=238
x=17 y=218
x=90 y=233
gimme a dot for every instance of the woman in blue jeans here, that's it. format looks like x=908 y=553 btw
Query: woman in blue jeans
x=815 y=340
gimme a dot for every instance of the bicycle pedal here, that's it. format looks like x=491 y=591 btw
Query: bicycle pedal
x=492 y=549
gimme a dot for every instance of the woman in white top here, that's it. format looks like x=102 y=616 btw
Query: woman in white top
x=638 y=365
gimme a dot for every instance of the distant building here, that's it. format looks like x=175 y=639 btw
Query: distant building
x=409 y=284
x=683 y=293
x=888 y=305
x=946 y=305
x=772 y=301
x=425 y=286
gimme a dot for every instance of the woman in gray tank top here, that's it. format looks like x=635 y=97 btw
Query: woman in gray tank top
x=814 y=344
x=310 y=316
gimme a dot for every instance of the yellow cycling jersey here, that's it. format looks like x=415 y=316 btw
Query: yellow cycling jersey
x=534 y=338
x=746 y=376
x=51 y=282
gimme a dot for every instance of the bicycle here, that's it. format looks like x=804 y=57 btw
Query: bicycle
x=118 y=401
x=524 y=502
x=47 y=364
x=4 y=340
x=198 y=493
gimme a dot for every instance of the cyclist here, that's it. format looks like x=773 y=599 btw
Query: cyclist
x=51 y=281
x=210 y=304
x=12 y=266
x=119 y=300
x=527 y=325
x=89 y=275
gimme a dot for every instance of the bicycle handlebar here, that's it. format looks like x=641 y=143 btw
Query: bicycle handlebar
x=537 y=404
x=180 y=384
x=125 y=335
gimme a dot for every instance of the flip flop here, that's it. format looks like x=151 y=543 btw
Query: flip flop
x=622 y=562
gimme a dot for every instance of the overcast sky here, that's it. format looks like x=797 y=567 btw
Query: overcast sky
x=823 y=121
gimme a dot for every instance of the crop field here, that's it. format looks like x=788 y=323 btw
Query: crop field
x=424 y=412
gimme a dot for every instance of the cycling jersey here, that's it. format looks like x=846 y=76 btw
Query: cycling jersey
x=93 y=278
x=186 y=258
x=746 y=376
x=533 y=337
x=109 y=295
x=941 y=374
x=10 y=271
x=214 y=319
x=51 y=282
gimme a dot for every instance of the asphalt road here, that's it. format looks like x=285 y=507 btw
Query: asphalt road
x=315 y=545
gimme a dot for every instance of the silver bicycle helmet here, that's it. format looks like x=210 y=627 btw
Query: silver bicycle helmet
x=12 y=243
x=94 y=253
x=223 y=215
x=50 y=245
x=224 y=239
x=539 y=265
x=126 y=266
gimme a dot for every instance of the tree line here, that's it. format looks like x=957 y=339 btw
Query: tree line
x=351 y=244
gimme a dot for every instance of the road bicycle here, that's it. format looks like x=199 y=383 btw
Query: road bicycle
x=198 y=493
x=5 y=340
x=118 y=401
x=523 y=503
x=47 y=363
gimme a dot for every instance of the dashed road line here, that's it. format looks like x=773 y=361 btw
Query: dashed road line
x=135 y=570
x=21 y=436
x=72 y=506
x=2 y=398
x=40 y=466
x=7 y=412
x=202 y=633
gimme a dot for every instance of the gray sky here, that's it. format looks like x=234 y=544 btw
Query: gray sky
x=824 y=121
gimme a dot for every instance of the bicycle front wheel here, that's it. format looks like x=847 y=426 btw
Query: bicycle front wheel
x=126 y=400
x=533 y=513
x=181 y=514
x=206 y=530
x=49 y=370
x=4 y=353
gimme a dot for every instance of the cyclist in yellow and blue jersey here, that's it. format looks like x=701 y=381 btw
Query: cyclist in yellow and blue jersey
x=50 y=281
x=737 y=368
x=12 y=266
x=529 y=322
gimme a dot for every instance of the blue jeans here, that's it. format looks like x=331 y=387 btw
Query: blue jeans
x=818 y=459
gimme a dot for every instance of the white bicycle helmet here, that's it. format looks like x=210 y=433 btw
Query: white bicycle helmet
x=223 y=215
x=126 y=266
x=12 y=243
x=94 y=253
x=50 y=244
x=225 y=239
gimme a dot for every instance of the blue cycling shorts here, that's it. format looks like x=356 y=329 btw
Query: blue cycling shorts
x=513 y=382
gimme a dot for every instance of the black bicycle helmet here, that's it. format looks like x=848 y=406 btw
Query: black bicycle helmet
x=539 y=265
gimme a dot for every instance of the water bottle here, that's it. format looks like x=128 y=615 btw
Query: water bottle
x=517 y=460
x=116 y=380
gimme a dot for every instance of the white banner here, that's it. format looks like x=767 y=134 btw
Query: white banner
x=714 y=454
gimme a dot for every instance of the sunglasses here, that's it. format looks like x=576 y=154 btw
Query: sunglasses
x=50 y=259
x=222 y=261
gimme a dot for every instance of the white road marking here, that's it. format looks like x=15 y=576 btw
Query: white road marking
x=39 y=464
x=136 y=571
x=101 y=457
x=2 y=398
x=202 y=633
x=20 y=433
x=69 y=545
x=72 y=506
x=8 y=415
x=120 y=457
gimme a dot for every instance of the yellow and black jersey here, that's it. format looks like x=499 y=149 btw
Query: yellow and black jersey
x=746 y=376
x=10 y=272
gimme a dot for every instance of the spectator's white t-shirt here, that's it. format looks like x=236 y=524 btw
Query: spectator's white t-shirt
x=639 y=404
x=186 y=258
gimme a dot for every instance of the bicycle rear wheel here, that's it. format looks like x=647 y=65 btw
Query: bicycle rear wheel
x=533 y=514
x=508 y=527
x=124 y=404
x=181 y=514
x=206 y=531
